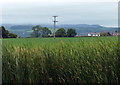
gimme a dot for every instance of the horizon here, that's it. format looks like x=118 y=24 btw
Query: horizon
x=53 y=24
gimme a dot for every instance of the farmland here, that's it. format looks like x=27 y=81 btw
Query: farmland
x=84 y=60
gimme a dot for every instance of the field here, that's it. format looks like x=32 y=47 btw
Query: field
x=85 y=60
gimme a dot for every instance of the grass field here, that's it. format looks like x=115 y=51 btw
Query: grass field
x=84 y=60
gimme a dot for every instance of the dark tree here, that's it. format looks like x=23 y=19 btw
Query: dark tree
x=60 y=33
x=0 y=32
x=39 y=31
x=46 y=32
x=71 y=32
x=11 y=35
x=105 y=34
x=5 y=33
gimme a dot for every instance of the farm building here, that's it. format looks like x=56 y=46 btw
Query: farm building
x=93 y=34
x=116 y=34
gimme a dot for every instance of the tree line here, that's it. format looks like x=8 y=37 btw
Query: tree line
x=39 y=31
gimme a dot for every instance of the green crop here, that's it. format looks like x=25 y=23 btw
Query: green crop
x=85 y=60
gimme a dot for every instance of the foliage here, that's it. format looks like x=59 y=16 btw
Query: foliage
x=71 y=32
x=11 y=35
x=6 y=34
x=90 y=60
x=46 y=32
x=39 y=31
x=105 y=34
x=60 y=33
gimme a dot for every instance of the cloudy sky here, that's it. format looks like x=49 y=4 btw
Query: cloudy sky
x=103 y=12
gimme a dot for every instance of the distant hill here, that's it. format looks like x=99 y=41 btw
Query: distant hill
x=21 y=27
x=82 y=29
x=7 y=26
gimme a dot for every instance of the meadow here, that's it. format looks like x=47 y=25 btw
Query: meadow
x=84 y=60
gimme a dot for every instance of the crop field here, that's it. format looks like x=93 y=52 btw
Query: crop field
x=84 y=60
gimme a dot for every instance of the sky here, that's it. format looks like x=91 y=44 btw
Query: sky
x=102 y=12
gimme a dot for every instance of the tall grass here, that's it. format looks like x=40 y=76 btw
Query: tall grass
x=61 y=60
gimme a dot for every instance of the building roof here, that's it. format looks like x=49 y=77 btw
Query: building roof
x=115 y=33
x=93 y=33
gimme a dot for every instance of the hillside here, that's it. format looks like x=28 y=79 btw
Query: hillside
x=82 y=29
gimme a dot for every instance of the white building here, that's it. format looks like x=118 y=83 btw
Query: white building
x=93 y=34
x=116 y=34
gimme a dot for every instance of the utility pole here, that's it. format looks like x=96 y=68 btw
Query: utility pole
x=55 y=21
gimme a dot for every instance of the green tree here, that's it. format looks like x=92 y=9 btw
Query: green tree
x=105 y=34
x=60 y=33
x=6 y=34
x=37 y=31
x=46 y=32
x=12 y=35
x=71 y=32
x=0 y=32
